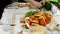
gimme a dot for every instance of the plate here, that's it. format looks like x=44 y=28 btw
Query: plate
x=18 y=27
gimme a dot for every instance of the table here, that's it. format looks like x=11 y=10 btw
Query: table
x=4 y=32
x=10 y=13
x=8 y=17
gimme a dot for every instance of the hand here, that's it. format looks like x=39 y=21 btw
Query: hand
x=35 y=3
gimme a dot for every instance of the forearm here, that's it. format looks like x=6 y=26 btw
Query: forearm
x=35 y=3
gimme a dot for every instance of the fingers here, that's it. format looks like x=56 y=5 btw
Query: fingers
x=37 y=4
x=44 y=1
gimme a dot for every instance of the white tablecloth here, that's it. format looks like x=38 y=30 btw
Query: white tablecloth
x=2 y=31
x=7 y=17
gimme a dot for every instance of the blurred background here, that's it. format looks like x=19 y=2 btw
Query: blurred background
x=4 y=3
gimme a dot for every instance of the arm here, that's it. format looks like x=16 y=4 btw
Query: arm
x=37 y=4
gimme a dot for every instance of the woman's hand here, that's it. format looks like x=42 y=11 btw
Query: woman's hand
x=35 y=3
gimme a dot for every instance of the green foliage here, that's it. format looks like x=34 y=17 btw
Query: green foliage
x=47 y=6
x=30 y=13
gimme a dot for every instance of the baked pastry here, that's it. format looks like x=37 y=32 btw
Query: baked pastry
x=37 y=30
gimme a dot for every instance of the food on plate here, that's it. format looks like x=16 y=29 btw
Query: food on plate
x=48 y=17
x=21 y=5
x=42 y=22
x=35 y=18
x=30 y=13
x=38 y=18
x=19 y=33
x=28 y=21
x=31 y=16
x=37 y=30
x=22 y=19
